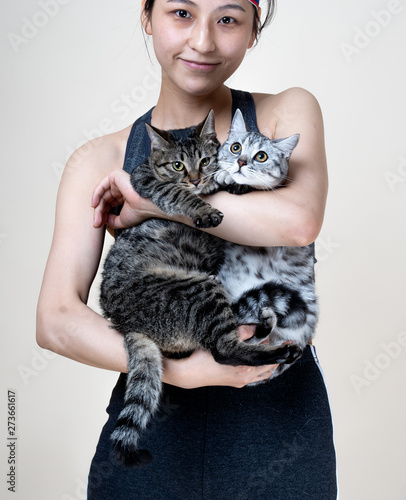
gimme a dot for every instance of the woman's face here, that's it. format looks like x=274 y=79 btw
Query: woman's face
x=200 y=43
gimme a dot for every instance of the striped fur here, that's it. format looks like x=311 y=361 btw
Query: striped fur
x=159 y=284
x=176 y=191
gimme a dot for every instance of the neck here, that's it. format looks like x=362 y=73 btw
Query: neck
x=176 y=110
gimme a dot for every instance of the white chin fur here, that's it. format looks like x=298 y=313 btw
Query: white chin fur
x=240 y=178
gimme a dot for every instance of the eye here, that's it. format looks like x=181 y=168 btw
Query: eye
x=236 y=148
x=261 y=156
x=183 y=13
x=226 y=20
x=178 y=166
x=205 y=162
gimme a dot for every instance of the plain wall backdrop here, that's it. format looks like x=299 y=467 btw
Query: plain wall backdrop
x=75 y=70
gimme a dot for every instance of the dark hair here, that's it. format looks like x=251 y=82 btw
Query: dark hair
x=258 y=24
x=270 y=12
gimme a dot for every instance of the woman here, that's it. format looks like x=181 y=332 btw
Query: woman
x=213 y=438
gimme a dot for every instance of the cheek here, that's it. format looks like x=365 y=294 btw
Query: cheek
x=236 y=45
x=235 y=54
x=167 y=41
x=163 y=43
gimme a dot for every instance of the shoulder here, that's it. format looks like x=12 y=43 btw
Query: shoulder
x=279 y=114
x=98 y=157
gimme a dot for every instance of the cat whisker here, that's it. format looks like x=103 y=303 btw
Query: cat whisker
x=263 y=185
x=288 y=180
x=208 y=176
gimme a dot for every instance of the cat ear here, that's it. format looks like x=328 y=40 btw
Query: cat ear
x=238 y=125
x=207 y=126
x=287 y=145
x=155 y=135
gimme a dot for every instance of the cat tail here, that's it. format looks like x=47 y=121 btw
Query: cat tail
x=142 y=396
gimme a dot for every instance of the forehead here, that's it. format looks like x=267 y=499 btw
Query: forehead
x=217 y=5
x=248 y=138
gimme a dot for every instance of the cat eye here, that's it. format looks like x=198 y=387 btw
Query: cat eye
x=205 y=162
x=236 y=148
x=178 y=166
x=261 y=156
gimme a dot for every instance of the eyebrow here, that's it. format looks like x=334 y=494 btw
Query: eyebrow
x=235 y=6
x=231 y=6
x=187 y=2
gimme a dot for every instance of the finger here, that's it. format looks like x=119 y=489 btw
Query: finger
x=97 y=221
x=265 y=371
x=100 y=214
x=109 y=188
x=267 y=374
x=246 y=331
x=97 y=217
x=114 y=222
x=100 y=190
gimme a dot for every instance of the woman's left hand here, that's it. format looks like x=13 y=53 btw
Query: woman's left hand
x=201 y=370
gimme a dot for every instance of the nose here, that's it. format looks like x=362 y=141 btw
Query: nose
x=195 y=182
x=201 y=38
x=241 y=163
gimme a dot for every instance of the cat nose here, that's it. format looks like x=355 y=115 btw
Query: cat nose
x=195 y=181
x=241 y=163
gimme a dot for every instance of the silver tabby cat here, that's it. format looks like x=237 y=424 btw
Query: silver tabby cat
x=272 y=287
x=159 y=284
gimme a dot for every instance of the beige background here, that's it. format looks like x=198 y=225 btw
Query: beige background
x=67 y=69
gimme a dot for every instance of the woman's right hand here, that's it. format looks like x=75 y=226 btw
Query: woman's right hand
x=201 y=370
x=116 y=189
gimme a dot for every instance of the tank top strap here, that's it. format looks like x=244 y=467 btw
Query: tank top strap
x=137 y=149
x=245 y=102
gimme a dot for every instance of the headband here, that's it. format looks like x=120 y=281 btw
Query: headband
x=255 y=3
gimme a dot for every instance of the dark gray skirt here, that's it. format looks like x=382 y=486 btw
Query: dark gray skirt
x=272 y=441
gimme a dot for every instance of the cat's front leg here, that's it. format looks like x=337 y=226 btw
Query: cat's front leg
x=239 y=189
x=223 y=178
x=211 y=217
x=175 y=199
x=188 y=203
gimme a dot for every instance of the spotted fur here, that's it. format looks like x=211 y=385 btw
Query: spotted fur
x=271 y=287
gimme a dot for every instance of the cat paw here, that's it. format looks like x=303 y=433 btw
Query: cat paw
x=239 y=189
x=268 y=318
x=223 y=178
x=210 y=219
x=294 y=353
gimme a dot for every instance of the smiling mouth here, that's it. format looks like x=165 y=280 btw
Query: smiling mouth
x=201 y=66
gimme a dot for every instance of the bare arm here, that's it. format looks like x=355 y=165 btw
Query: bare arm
x=65 y=324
